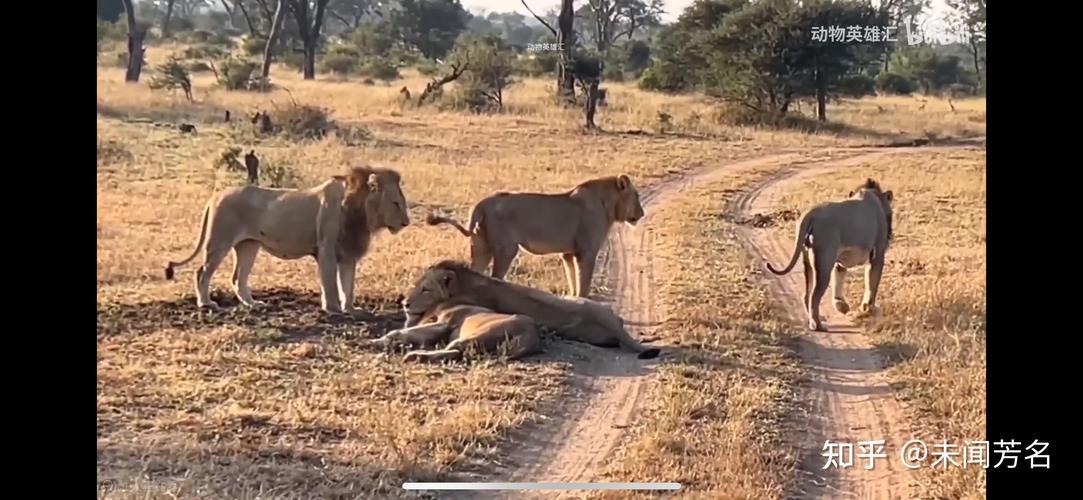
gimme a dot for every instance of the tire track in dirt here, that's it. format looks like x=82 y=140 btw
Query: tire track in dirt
x=850 y=397
x=607 y=386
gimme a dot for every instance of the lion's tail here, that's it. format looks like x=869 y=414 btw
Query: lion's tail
x=644 y=352
x=199 y=245
x=804 y=228
x=434 y=220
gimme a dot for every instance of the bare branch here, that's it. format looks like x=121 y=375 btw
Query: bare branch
x=540 y=20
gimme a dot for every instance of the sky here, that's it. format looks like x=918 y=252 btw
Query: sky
x=673 y=8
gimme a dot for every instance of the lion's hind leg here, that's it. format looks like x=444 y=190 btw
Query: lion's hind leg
x=244 y=254
x=838 y=282
x=443 y=355
x=211 y=260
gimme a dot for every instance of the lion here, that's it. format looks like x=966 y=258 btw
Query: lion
x=574 y=318
x=574 y=224
x=332 y=222
x=842 y=235
x=466 y=328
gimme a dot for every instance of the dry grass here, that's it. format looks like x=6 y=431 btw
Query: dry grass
x=716 y=421
x=932 y=297
x=240 y=405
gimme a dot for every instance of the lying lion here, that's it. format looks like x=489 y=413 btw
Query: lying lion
x=466 y=329
x=332 y=222
x=842 y=235
x=575 y=318
x=574 y=224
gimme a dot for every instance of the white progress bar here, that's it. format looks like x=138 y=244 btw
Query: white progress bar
x=541 y=486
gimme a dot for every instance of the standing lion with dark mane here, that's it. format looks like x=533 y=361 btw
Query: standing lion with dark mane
x=333 y=222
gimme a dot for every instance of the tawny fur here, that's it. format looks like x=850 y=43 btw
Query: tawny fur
x=466 y=330
x=574 y=318
x=574 y=224
x=842 y=235
x=332 y=222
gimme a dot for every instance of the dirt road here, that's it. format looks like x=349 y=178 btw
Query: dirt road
x=850 y=397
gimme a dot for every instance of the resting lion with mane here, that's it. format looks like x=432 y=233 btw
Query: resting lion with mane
x=333 y=222
x=842 y=235
x=574 y=318
x=574 y=224
x=466 y=329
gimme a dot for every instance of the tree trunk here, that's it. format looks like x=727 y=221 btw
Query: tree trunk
x=135 y=44
x=821 y=95
x=310 y=59
x=565 y=41
x=977 y=67
x=592 y=103
x=168 y=15
x=268 y=50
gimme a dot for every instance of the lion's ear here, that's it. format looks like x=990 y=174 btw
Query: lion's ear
x=623 y=181
x=447 y=280
x=888 y=194
x=374 y=182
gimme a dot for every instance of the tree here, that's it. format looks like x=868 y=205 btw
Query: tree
x=350 y=13
x=612 y=19
x=268 y=49
x=309 y=17
x=168 y=14
x=136 y=34
x=110 y=10
x=430 y=26
x=565 y=35
x=971 y=14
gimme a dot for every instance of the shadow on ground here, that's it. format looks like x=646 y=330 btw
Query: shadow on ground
x=293 y=314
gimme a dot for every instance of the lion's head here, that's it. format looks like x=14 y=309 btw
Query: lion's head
x=377 y=193
x=886 y=198
x=437 y=284
x=628 y=208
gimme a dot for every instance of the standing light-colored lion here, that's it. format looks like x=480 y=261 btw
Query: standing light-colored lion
x=842 y=235
x=575 y=318
x=465 y=329
x=332 y=222
x=574 y=224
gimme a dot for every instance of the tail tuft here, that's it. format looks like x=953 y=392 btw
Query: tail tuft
x=169 y=271
x=433 y=219
x=651 y=353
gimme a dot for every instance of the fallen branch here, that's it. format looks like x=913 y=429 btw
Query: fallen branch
x=457 y=70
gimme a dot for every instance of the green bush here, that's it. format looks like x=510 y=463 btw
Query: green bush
x=339 y=63
x=253 y=46
x=380 y=69
x=239 y=74
x=302 y=121
x=172 y=75
x=428 y=68
x=528 y=66
x=613 y=74
x=894 y=83
x=857 y=85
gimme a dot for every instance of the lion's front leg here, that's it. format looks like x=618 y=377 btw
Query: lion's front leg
x=347 y=268
x=873 y=272
x=329 y=291
x=423 y=336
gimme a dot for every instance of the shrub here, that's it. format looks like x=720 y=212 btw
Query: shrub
x=197 y=66
x=172 y=75
x=428 y=68
x=856 y=85
x=294 y=60
x=280 y=176
x=239 y=74
x=613 y=73
x=253 y=46
x=339 y=63
x=528 y=66
x=895 y=83
x=380 y=69
x=302 y=121
x=489 y=73
x=204 y=51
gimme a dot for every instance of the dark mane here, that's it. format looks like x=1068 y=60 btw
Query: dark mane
x=356 y=232
x=871 y=184
x=456 y=266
